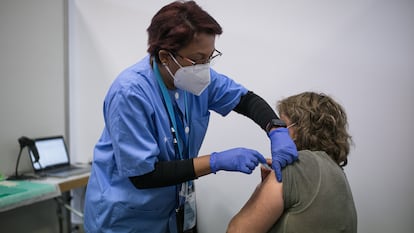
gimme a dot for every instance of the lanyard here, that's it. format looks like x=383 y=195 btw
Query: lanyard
x=182 y=189
x=171 y=113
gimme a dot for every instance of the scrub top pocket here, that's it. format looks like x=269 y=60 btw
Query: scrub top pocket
x=126 y=219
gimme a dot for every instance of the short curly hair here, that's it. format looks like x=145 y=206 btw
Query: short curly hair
x=320 y=124
x=174 y=26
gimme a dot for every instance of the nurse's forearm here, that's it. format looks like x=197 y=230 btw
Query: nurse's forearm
x=202 y=165
x=256 y=108
x=166 y=173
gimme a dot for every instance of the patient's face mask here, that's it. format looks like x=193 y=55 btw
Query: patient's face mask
x=194 y=79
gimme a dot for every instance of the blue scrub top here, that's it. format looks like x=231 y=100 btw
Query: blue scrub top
x=137 y=134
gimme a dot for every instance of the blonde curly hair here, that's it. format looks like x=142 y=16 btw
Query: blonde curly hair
x=320 y=124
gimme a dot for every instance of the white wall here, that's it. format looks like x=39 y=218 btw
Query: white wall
x=359 y=51
x=32 y=94
x=32 y=75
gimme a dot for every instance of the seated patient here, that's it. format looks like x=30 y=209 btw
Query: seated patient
x=314 y=195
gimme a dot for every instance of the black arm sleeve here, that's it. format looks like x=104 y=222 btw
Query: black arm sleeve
x=166 y=173
x=256 y=108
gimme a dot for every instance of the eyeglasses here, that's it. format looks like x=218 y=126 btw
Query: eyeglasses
x=210 y=60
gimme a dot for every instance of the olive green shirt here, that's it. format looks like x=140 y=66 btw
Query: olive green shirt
x=317 y=197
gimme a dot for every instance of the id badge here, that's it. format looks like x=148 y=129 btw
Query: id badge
x=190 y=211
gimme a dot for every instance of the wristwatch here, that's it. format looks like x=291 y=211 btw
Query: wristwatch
x=275 y=123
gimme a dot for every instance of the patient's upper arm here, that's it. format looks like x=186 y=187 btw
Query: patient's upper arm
x=262 y=210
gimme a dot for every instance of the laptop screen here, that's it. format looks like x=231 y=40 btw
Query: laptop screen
x=52 y=152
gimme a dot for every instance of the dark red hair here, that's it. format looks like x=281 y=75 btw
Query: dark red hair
x=173 y=27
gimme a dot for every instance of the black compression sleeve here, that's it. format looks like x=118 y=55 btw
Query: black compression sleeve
x=256 y=108
x=166 y=173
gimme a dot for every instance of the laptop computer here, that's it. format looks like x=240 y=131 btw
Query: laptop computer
x=54 y=158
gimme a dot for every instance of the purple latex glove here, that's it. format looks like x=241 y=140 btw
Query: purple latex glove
x=284 y=150
x=237 y=159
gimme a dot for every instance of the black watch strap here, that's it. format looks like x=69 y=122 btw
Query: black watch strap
x=275 y=123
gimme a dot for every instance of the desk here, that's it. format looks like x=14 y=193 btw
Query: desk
x=51 y=187
x=66 y=184
x=78 y=182
x=20 y=193
x=39 y=190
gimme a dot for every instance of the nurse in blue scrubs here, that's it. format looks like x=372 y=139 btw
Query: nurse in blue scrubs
x=156 y=115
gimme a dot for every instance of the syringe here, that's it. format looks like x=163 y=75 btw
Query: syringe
x=265 y=165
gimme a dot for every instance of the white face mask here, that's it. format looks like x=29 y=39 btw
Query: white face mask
x=194 y=79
